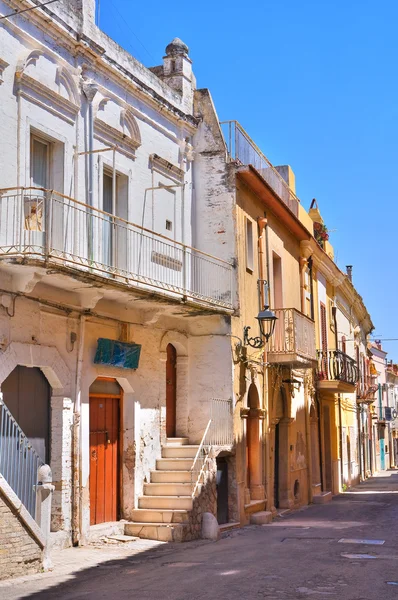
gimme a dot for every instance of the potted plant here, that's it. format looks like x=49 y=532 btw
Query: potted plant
x=321 y=233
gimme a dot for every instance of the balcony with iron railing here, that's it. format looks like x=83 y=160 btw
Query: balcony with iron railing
x=366 y=389
x=46 y=226
x=244 y=151
x=337 y=372
x=293 y=341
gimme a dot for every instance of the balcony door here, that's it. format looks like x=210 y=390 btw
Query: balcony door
x=114 y=232
x=34 y=200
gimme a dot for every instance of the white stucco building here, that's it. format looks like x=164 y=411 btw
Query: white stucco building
x=103 y=236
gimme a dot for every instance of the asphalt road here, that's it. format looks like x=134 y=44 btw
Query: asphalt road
x=297 y=556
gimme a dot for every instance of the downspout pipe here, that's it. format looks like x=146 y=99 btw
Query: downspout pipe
x=262 y=261
x=336 y=340
x=76 y=450
x=90 y=89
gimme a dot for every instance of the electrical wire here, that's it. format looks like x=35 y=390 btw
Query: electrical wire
x=131 y=31
x=18 y=12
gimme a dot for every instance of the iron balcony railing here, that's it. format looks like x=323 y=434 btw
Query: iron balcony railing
x=244 y=151
x=367 y=388
x=335 y=365
x=38 y=223
x=294 y=334
x=19 y=462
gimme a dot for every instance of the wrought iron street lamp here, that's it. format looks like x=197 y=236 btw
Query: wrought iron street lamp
x=267 y=321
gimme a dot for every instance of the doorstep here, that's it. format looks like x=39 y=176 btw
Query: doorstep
x=254 y=506
x=228 y=526
x=101 y=530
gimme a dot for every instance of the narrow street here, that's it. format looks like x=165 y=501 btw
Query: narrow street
x=297 y=556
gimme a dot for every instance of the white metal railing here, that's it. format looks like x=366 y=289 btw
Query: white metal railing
x=242 y=149
x=46 y=224
x=200 y=461
x=218 y=432
x=294 y=334
x=221 y=430
x=19 y=462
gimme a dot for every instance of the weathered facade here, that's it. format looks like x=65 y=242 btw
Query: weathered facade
x=114 y=328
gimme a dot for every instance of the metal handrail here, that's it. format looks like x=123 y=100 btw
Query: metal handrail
x=258 y=160
x=201 y=455
x=19 y=462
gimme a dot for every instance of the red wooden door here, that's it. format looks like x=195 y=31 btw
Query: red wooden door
x=104 y=459
x=171 y=391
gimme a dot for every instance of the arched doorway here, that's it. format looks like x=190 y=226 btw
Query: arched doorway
x=253 y=446
x=171 y=390
x=105 y=399
x=27 y=394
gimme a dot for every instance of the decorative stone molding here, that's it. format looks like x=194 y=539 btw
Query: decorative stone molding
x=166 y=168
x=3 y=66
x=46 y=358
x=253 y=413
x=35 y=92
x=179 y=341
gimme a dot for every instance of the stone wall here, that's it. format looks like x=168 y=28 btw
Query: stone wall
x=20 y=553
x=205 y=501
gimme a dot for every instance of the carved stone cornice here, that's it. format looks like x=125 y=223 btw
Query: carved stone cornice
x=36 y=92
x=253 y=413
x=166 y=168
x=3 y=65
x=113 y=137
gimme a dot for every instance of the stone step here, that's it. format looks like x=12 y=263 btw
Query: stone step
x=179 y=451
x=165 y=502
x=147 y=515
x=174 y=464
x=170 y=476
x=322 y=498
x=177 y=441
x=167 y=489
x=162 y=532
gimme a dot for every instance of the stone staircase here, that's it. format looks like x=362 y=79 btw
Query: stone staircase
x=163 y=510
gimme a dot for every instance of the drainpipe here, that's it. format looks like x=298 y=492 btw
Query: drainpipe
x=76 y=463
x=262 y=225
x=303 y=264
x=90 y=89
x=336 y=341
x=320 y=441
x=310 y=266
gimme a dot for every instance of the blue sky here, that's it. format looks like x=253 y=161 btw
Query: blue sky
x=315 y=84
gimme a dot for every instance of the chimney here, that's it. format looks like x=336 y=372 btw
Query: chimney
x=349 y=272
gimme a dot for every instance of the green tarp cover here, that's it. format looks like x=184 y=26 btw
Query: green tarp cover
x=117 y=354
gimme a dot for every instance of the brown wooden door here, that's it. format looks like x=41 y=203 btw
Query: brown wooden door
x=104 y=459
x=26 y=393
x=171 y=391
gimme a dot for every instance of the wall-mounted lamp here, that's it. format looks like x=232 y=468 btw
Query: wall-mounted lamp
x=267 y=321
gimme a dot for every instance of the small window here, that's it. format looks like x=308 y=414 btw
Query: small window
x=169 y=225
x=249 y=246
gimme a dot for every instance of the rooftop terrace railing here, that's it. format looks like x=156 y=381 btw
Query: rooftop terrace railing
x=244 y=151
